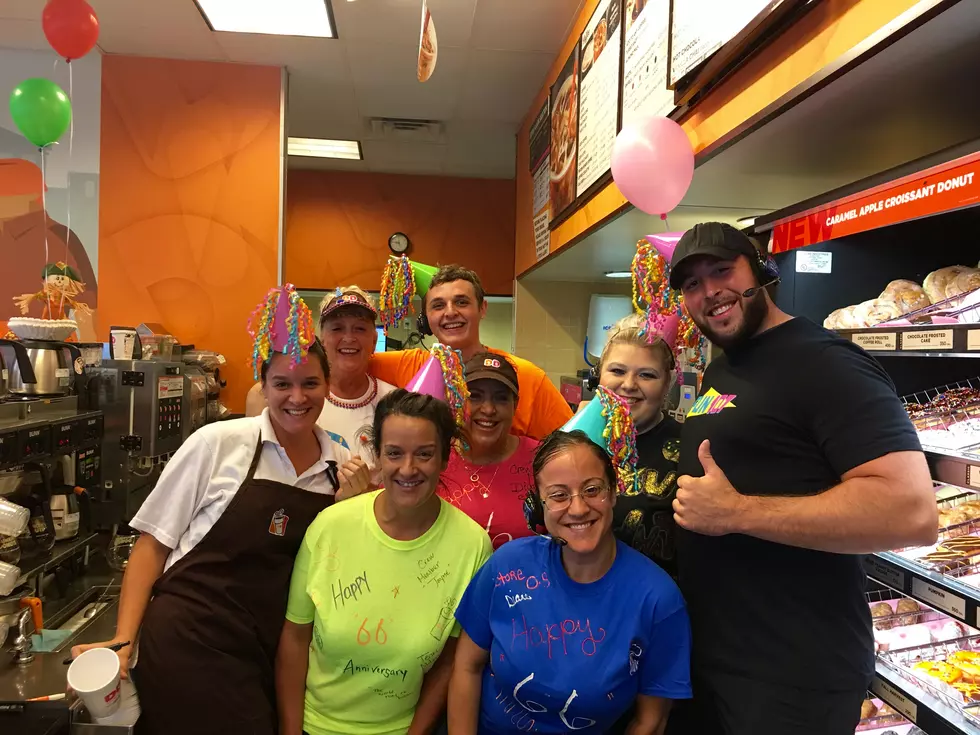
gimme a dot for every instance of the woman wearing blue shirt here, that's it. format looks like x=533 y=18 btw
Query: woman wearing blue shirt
x=568 y=632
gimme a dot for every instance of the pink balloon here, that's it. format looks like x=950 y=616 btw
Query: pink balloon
x=665 y=243
x=653 y=164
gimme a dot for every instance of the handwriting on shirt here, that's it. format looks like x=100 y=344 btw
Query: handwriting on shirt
x=364 y=633
x=517 y=575
x=351 y=668
x=344 y=592
x=565 y=632
x=445 y=618
x=513 y=600
x=431 y=572
x=519 y=718
x=427 y=659
x=391 y=693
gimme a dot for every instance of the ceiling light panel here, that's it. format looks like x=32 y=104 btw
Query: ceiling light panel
x=270 y=17
x=320 y=148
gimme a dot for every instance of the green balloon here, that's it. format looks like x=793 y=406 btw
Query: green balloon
x=41 y=110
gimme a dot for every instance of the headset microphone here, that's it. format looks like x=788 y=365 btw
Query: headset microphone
x=750 y=292
x=558 y=541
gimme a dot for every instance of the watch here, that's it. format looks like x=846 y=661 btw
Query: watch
x=398 y=243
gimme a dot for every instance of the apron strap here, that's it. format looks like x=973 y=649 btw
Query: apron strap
x=255 y=461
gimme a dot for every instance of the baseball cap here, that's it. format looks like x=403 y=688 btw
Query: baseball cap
x=350 y=297
x=491 y=366
x=713 y=239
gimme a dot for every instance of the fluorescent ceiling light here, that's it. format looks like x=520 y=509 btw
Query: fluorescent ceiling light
x=319 y=148
x=279 y=18
x=618 y=274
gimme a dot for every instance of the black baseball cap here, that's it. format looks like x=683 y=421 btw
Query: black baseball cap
x=491 y=366
x=713 y=239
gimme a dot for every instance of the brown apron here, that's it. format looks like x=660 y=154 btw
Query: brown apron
x=207 y=645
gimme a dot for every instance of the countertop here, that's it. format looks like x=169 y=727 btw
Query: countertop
x=46 y=673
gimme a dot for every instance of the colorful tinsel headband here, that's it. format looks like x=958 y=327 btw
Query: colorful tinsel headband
x=457 y=394
x=282 y=322
x=620 y=436
x=397 y=291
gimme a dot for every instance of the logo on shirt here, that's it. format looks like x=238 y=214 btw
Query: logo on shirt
x=636 y=651
x=711 y=403
x=277 y=526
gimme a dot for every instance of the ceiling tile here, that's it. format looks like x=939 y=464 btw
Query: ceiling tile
x=322 y=57
x=523 y=25
x=317 y=109
x=400 y=21
x=500 y=85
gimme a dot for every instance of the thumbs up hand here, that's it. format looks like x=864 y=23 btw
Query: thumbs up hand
x=708 y=505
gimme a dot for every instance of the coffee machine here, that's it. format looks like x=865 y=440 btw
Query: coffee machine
x=146 y=414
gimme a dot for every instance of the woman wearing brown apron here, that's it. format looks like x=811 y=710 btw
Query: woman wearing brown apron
x=206 y=584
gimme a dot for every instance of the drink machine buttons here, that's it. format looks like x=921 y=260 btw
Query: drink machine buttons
x=36 y=442
x=91 y=430
x=170 y=394
x=9 y=449
x=87 y=465
x=63 y=437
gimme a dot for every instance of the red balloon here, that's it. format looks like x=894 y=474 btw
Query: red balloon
x=71 y=27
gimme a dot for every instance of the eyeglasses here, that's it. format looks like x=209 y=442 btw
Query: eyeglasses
x=593 y=495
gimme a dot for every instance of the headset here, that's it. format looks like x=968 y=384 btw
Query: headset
x=534 y=515
x=422 y=324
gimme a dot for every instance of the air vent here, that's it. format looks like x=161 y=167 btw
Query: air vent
x=407 y=129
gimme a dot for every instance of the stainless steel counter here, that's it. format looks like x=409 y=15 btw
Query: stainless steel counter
x=46 y=674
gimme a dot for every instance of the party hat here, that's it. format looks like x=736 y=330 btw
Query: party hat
x=608 y=422
x=664 y=315
x=282 y=322
x=442 y=377
x=401 y=280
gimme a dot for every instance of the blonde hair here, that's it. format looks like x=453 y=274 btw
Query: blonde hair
x=628 y=331
x=331 y=296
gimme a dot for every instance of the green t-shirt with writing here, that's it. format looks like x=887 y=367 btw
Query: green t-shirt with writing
x=381 y=609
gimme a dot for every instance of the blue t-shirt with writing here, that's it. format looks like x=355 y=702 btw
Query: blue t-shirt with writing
x=569 y=656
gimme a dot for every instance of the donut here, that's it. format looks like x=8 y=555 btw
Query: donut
x=970 y=692
x=880 y=612
x=965 y=282
x=908 y=606
x=940 y=670
x=868 y=709
x=935 y=283
x=908 y=296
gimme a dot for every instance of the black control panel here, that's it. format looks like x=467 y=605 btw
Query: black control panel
x=168 y=424
x=71 y=434
x=91 y=430
x=9 y=449
x=35 y=442
x=88 y=465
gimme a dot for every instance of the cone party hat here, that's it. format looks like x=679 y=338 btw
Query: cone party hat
x=401 y=281
x=607 y=421
x=282 y=322
x=442 y=377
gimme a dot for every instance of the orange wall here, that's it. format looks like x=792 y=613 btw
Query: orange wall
x=189 y=201
x=338 y=224
x=823 y=35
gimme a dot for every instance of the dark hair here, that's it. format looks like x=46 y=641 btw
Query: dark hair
x=454 y=272
x=401 y=402
x=559 y=442
x=316 y=350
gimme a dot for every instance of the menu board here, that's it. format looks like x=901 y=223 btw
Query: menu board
x=599 y=51
x=701 y=27
x=645 y=91
x=540 y=163
x=564 y=136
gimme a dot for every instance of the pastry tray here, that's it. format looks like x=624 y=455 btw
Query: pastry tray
x=901 y=661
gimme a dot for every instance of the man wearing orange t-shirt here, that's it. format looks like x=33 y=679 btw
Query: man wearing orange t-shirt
x=454 y=306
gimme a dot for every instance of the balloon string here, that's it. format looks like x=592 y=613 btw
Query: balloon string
x=71 y=145
x=666 y=223
x=44 y=208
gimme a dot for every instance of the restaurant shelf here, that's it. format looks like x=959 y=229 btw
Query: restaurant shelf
x=919 y=706
x=918 y=340
x=951 y=467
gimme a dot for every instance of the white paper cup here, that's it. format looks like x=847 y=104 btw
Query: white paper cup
x=94 y=676
x=129 y=707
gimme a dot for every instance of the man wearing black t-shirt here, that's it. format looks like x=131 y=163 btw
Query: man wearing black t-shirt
x=796 y=457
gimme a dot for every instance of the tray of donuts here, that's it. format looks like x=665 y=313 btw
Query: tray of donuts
x=877 y=718
x=950 y=670
x=902 y=624
x=955 y=555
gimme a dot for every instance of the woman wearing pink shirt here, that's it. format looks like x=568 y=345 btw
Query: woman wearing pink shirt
x=488 y=481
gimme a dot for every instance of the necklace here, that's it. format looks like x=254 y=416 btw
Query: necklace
x=477 y=485
x=354 y=405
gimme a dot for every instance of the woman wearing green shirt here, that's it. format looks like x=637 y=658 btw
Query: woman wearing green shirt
x=369 y=638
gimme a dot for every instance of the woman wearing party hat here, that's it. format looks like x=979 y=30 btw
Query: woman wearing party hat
x=206 y=585
x=625 y=640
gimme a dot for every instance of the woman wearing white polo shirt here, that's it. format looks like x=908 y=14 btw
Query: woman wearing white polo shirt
x=220 y=532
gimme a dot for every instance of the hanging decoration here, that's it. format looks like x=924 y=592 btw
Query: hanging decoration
x=71 y=27
x=428 y=45
x=62 y=285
